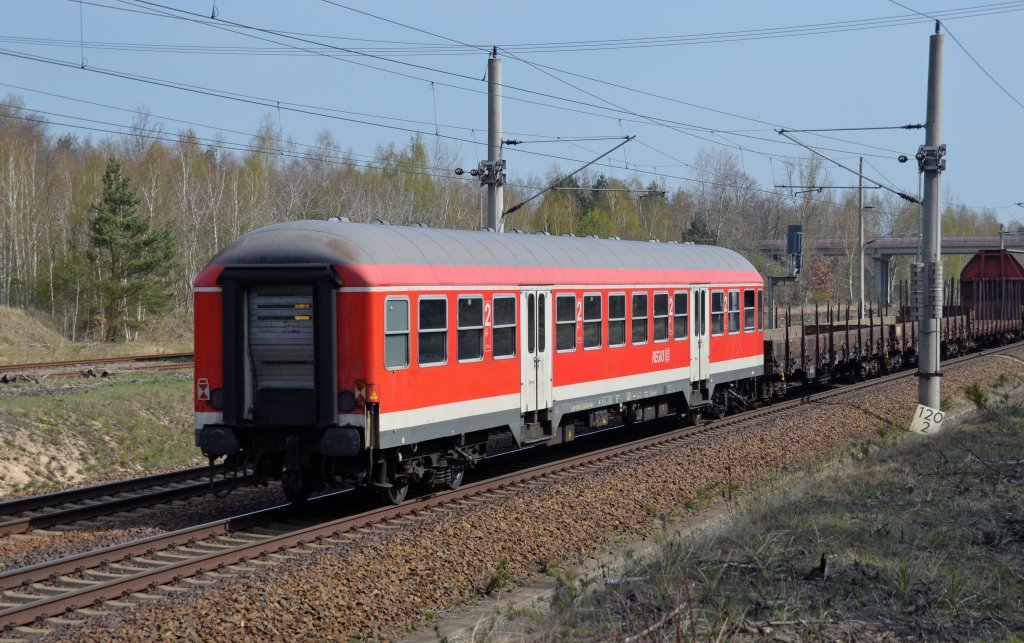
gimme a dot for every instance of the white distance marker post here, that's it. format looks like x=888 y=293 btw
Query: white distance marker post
x=926 y=420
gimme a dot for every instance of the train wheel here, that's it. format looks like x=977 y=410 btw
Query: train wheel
x=457 y=474
x=396 y=493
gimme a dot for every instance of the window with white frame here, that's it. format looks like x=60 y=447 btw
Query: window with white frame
x=760 y=309
x=504 y=335
x=396 y=332
x=433 y=330
x=661 y=316
x=591 y=320
x=717 y=312
x=617 y=320
x=748 y=311
x=682 y=315
x=639 y=325
x=565 y=323
x=470 y=328
x=734 y=311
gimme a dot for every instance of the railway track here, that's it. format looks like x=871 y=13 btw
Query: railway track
x=66 y=507
x=71 y=589
x=93 y=367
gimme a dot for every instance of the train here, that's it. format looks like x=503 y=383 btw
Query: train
x=335 y=354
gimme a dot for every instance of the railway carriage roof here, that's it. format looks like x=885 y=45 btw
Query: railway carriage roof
x=367 y=249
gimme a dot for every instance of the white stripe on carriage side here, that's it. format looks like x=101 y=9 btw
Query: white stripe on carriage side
x=600 y=387
x=206 y=289
x=653 y=378
x=457 y=410
x=448 y=412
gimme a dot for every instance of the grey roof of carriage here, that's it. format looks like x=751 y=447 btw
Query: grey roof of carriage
x=336 y=242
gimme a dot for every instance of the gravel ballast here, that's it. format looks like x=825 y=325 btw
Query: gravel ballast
x=383 y=583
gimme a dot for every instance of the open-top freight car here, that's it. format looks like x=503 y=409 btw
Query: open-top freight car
x=830 y=343
x=335 y=353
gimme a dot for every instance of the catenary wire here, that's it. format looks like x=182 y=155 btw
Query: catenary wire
x=969 y=55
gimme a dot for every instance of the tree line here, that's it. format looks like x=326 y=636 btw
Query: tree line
x=105 y=234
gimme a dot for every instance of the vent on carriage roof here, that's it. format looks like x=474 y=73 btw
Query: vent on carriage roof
x=486 y=228
x=516 y=231
x=615 y=238
x=379 y=221
x=418 y=224
x=339 y=220
x=543 y=233
x=568 y=234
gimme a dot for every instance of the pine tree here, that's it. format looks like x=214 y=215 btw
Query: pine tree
x=699 y=232
x=131 y=261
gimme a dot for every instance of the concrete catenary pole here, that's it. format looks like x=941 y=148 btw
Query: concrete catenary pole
x=860 y=235
x=931 y=161
x=494 y=173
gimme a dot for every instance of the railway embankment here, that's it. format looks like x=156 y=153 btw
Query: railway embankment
x=900 y=537
x=412 y=573
x=58 y=432
x=61 y=433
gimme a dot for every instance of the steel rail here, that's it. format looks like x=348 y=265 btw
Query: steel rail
x=44 y=511
x=149 y=573
x=98 y=360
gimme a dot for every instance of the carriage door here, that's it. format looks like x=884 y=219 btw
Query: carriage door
x=535 y=304
x=700 y=360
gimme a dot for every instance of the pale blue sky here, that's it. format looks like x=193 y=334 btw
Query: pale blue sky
x=869 y=71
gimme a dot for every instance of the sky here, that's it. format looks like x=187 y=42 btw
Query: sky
x=682 y=77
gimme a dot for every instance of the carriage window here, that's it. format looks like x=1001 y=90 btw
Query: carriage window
x=760 y=310
x=565 y=323
x=531 y=323
x=471 y=329
x=661 y=316
x=639 y=326
x=717 y=313
x=703 y=313
x=396 y=333
x=542 y=329
x=617 y=320
x=591 y=321
x=504 y=326
x=734 y=311
x=682 y=319
x=433 y=330
x=748 y=310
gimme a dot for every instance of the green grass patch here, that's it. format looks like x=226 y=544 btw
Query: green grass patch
x=127 y=424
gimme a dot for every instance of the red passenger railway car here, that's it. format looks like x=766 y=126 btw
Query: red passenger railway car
x=335 y=353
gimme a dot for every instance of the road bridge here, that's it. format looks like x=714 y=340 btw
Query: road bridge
x=881 y=250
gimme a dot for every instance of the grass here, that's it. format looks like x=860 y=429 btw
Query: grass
x=919 y=537
x=58 y=432
x=500 y=579
x=124 y=425
x=30 y=336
